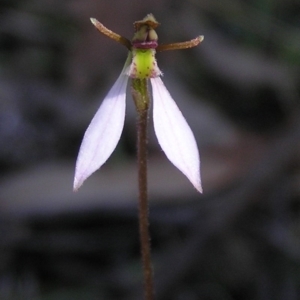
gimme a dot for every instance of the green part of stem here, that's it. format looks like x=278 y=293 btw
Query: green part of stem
x=140 y=94
x=141 y=98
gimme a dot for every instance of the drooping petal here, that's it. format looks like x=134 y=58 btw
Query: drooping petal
x=104 y=131
x=174 y=134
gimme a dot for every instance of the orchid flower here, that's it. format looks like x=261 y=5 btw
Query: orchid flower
x=172 y=131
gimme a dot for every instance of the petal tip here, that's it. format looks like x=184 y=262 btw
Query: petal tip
x=196 y=181
x=77 y=184
x=199 y=188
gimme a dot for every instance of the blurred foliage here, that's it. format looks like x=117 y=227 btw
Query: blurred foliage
x=242 y=241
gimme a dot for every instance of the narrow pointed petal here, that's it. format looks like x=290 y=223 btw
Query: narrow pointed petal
x=174 y=134
x=103 y=133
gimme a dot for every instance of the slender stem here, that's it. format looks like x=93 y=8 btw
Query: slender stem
x=143 y=205
x=141 y=98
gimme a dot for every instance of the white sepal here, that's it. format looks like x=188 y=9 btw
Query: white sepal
x=174 y=134
x=104 y=131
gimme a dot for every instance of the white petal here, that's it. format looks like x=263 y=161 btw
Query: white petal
x=174 y=134
x=103 y=133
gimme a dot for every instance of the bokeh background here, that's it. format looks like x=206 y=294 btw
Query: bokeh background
x=239 y=91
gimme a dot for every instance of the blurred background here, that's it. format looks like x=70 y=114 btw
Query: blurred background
x=239 y=91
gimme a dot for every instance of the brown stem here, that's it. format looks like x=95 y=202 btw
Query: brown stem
x=140 y=94
x=143 y=205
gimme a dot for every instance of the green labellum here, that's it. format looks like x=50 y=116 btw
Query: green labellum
x=143 y=64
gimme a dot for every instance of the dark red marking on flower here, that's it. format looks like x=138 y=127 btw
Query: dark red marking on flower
x=144 y=45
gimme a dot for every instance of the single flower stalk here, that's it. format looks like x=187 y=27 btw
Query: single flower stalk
x=173 y=133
